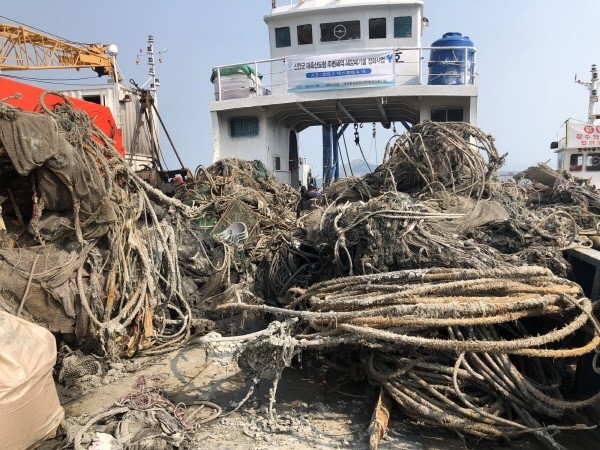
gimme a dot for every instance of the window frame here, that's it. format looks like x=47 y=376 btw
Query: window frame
x=447 y=112
x=371 y=30
x=298 y=34
x=247 y=127
x=397 y=27
x=590 y=158
x=574 y=159
x=344 y=23
x=287 y=39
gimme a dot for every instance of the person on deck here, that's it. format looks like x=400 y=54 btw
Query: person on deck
x=306 y=199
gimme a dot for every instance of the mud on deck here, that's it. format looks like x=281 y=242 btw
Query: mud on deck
x=310 y=411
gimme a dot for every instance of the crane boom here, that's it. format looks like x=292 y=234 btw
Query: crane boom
x=22 y=48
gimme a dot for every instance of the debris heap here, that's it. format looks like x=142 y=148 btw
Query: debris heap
x=90 y=250
x=445 y=284
x=440 y=284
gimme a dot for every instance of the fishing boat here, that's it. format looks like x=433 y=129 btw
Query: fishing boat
x=335 y=64
x=578 y=150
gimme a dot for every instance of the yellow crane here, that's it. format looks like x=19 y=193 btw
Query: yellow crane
x=23 y=48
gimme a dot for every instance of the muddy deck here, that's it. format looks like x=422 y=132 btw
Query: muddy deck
x=311 y=412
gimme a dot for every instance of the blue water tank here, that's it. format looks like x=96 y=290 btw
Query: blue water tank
x=452 y=65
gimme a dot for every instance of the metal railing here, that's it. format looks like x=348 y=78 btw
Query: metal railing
x=280 y=3
x=268 y=76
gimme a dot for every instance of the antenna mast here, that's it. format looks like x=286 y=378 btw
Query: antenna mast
x=593 y=88
x=154 y=82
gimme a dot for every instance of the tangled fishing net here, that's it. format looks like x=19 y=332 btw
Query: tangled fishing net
x=481 y=352
x=144 y=418
x=442 y=282
x=101 y=243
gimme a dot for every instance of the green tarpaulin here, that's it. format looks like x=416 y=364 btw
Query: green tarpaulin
x=232 y=70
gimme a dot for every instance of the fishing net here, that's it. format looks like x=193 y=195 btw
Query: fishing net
x=101 y=243
x=442 y=283
x=481 y=352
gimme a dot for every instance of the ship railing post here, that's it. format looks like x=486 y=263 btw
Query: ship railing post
x=420 y=66
x=219 y=82
x=474 y=66
x=466 y=65
x=256 y=78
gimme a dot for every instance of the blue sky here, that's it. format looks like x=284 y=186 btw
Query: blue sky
x=528 y=54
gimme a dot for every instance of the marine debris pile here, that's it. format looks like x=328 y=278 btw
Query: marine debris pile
x=232 y=190
x=465 y=348
x=90 y=250
x=430 y=278
x=143 y=418
x=443 y=284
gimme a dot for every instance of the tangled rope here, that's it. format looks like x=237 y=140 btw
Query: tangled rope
x=128 y=276
x=462 y=348
x=158 y=411
x=445 y=155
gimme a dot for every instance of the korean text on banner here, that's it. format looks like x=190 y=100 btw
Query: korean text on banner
x=340 y=71
x=583 y=135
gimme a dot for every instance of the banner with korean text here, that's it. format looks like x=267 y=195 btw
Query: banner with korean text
x=340 y=71
x=583 y=135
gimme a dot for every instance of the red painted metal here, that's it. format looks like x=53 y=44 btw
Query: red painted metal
x=30 y=101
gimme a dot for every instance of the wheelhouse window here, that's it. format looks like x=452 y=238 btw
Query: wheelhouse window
x=242 y=127
x=283 y=37
x=305 y=35
x=576 y=163
x=377 y=28
x=592 y=162
x=447 y=115
x=402 y=27
x=340 y=31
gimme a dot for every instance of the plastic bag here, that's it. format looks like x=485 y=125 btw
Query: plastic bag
x=29 y=408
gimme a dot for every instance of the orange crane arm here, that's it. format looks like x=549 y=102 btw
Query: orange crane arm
x=22 y=48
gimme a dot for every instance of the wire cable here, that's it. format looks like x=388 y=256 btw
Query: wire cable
x=45 y=32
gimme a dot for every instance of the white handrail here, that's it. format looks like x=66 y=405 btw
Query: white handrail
x=269 y=74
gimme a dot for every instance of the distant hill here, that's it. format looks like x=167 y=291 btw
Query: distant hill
x=359 y=168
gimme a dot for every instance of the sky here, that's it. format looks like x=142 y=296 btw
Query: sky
x=528 y=52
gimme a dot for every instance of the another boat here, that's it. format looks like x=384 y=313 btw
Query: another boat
x=335 y=63
x=578 y=151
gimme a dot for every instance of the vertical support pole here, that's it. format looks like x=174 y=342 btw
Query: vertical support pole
x=326 y=155
x=466 y=66
x=336 y=152
x=219 y=84
x=256 y=86
x=420 y=65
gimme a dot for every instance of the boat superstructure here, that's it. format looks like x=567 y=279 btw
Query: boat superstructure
x=578 y=151
x=335 y=63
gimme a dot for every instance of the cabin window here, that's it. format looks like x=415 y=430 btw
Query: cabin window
x=576 y=163
x=402 y=27
x=282 y=37
x=93 y=99
x=592 y=162
x=241 y=127
x=305 y=35
x=340 y=31
x=277 y=163
x=447 y=115
x=377 y=28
